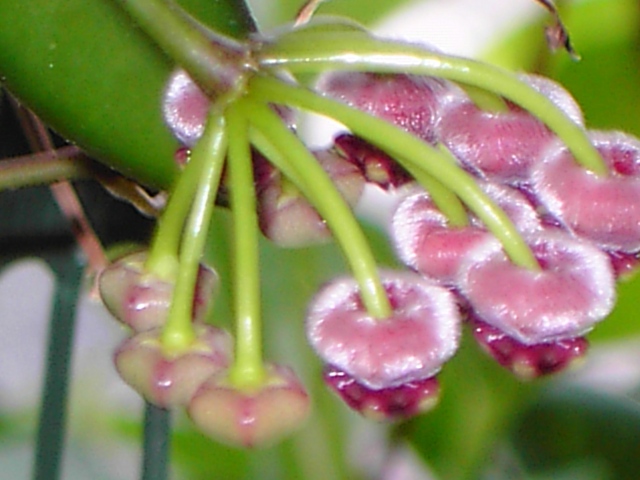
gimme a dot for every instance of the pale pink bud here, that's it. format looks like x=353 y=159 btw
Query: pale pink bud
x=141 y=300
x=411 y=102
x=573 y=291
x=604 y=209
x=168 y=380
x=412 y=344
x=252 y=417
x=286 y=216
x=185 y=108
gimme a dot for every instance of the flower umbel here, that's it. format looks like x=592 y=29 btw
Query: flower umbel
x=488 y=231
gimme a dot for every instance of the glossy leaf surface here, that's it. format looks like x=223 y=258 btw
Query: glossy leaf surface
x=90 y=73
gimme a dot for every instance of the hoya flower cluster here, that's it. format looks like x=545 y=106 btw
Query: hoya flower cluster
x=194 y=376
x=513 y=221
x=531 y=320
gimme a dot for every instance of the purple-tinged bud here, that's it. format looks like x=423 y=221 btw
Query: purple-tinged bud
x=251 y=417
x=517 y=206
x=573 y=291
x=185 y=108
x=286 y=217
x=425 y=242
x=604 y=209
x=498 y=146
x=529 y=361
x=393 y=403
x=141 y=300
x=376 y=166
x=408 y=101
x=171 y=380
x=412 y=344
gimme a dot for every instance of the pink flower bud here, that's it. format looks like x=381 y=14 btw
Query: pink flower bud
x=518 y=207
x=410 y=102
x=410 y=345
x=425 y=242
x=574 y=289
x=141 y=300
x=498 y=146
x=502 y=146
x=252 y=417
x=557 y=94
x=604 y=209
x=171 y=380
x=185 y=108
x=286 y=217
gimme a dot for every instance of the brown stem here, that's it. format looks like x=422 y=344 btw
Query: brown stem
x=307 y=11
x=63 y=192
x=44 y=168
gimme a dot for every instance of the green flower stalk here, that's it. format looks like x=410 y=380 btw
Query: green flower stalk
x=405 y=147
x=293 y=157
x=313 y=51
x=248 y=370
x=210 y=152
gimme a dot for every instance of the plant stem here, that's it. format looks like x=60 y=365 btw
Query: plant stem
x=216 y=63
x=162 y=259
x=66 y=163
x=156 y=443
x=406 y=148
x=63 y=192
x=50 y=438
x=314 y=52
x=444 y=199
x=248 y=369
x=292 y=156
x=178 y=332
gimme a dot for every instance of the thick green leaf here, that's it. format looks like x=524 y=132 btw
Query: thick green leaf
x=85 y=68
